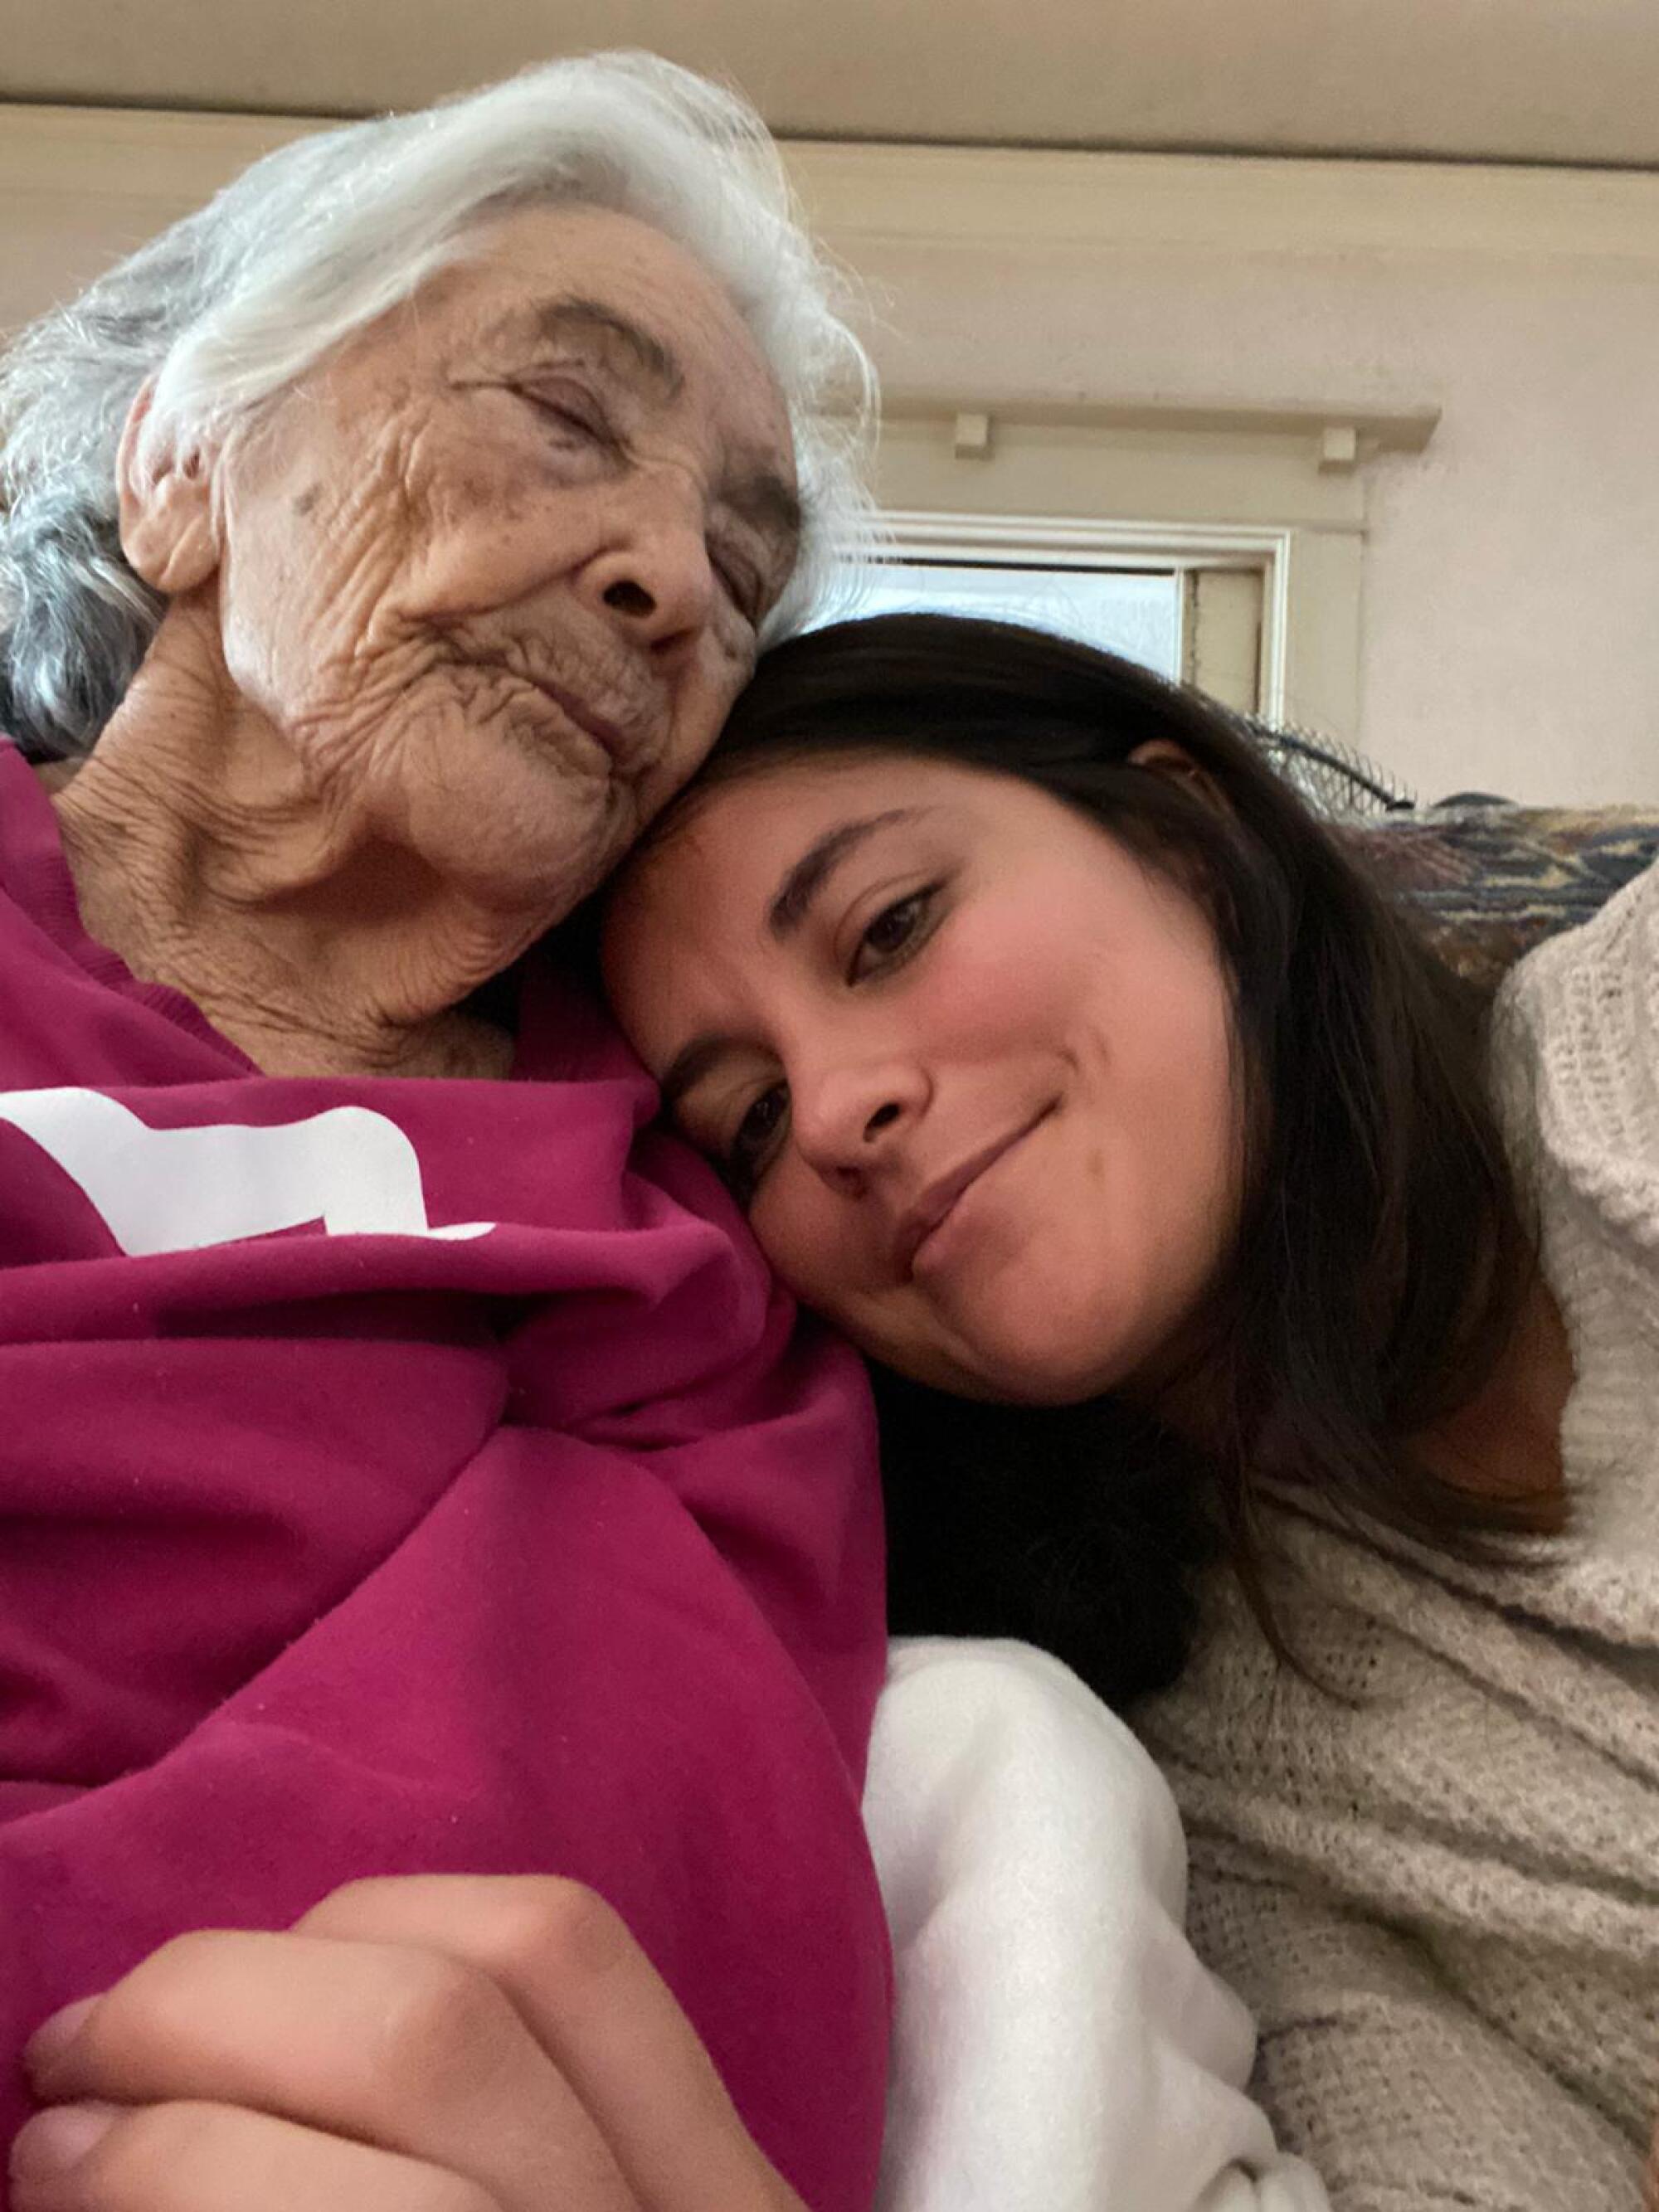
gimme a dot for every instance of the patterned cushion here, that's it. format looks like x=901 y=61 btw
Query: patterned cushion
x=1487 y=883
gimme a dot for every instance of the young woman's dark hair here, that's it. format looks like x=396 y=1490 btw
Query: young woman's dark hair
x=1382 y=1259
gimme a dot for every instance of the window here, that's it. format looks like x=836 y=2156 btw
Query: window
x=1188 y=604
x=1269 y=596
x=1134 y=612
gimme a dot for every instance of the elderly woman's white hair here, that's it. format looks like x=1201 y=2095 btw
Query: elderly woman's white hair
x=317 y=241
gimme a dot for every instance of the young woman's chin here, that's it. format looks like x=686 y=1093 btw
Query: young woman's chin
x=1019 y=1361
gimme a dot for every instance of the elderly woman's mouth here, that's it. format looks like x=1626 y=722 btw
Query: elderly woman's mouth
x=630 y=735
x=628 y=744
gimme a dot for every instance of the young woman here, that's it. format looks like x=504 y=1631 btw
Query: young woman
x=1189 y=1206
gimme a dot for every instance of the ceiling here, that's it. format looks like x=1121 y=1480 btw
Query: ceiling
x=1528 y=81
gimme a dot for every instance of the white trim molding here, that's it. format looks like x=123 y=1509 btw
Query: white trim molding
x=1340 y=434
x=945 y=198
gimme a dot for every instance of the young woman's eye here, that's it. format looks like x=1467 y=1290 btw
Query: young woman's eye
x=756 y=1140
x=894 y=931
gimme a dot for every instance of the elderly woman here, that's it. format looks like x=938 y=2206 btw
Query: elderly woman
x=407 y=1471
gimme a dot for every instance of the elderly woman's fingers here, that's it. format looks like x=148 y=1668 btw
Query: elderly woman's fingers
x=211 y=2158
x=595 y=2002
x=397 y=2047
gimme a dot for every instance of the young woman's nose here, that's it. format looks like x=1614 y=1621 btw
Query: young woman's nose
x=850 y=1122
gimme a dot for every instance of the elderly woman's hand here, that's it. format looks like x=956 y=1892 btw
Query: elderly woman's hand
x=438 y=2044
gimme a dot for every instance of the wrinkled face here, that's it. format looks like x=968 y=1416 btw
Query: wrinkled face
x=968 y=1059
x=494 y=571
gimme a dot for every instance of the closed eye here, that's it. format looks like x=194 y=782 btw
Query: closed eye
x=741 y=586
x=571 y=410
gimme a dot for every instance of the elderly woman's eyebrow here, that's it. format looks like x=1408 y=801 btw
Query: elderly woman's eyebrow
x=572 y=317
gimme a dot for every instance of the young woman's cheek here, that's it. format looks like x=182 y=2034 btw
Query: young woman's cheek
x=787 y=1218
x=991 y=984
x=822 y=1248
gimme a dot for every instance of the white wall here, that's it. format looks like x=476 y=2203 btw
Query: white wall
x=1510 y=634
x=1509 y=640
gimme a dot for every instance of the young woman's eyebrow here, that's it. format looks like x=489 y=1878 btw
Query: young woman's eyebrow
x=793 y=900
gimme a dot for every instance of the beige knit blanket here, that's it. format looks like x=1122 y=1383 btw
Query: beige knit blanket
x=1438 y=1888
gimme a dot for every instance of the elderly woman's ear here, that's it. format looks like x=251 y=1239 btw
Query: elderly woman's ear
x=164 y=486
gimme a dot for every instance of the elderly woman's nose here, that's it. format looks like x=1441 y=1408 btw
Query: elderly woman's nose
x=656 y=581
x=853 y=1121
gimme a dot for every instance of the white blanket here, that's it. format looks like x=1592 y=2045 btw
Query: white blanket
x=1058 y=2046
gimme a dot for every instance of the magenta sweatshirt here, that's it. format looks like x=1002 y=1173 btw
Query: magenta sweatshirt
x=406 y=1476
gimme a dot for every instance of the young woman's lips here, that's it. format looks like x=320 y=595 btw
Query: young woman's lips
x=940 y=1200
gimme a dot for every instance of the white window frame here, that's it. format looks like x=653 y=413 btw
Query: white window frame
x=920 y=534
